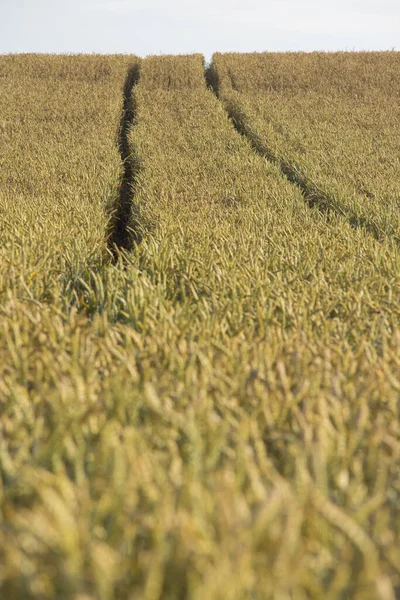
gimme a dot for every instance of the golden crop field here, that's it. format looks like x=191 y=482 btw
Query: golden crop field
x=332 y=121
x=199 y=327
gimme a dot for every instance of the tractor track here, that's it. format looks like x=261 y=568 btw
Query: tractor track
x=125 y=230
x=312 y=195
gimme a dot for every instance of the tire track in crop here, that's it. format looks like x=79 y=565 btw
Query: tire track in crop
x=125 y=229
x=312 y=195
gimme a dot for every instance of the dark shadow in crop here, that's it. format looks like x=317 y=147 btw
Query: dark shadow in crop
x=212 y=79
x=325 y=203
x=125 y=227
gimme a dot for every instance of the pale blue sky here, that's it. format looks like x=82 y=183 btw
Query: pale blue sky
x=177 y=26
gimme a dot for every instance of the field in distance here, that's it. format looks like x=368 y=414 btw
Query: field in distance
x=199 y=327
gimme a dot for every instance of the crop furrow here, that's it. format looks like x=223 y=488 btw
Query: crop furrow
x=312 y=195
x=123 y=233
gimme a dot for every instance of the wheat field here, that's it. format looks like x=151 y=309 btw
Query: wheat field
x=199 y=327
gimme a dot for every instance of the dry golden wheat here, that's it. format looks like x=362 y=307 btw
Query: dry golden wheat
x=215 y=415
